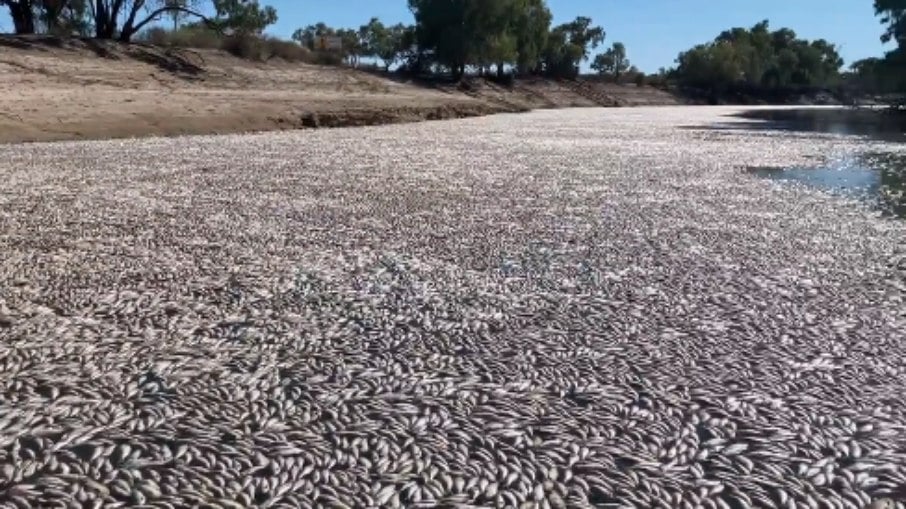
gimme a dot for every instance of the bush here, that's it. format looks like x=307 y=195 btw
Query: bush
x=639 y=79
x=187 y=37
x=246 y=46
x=196 y=37
x=326 y=58
x=157 y=36
x=287 y=50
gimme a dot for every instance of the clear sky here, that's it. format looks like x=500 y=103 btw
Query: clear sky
x=654 y=31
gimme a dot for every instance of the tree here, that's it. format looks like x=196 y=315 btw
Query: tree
x=492 y=40
x=893 y=14
x=375 y=37
x=22 y=12
x=384 y=43
x=582 y=34
x=759 y=60
x=560 y=58
x=309 y=35
x=52 y=16
x=872 y=76
x=64 y=17
x=713 y=66
x=136 y=14
x=531 y=27
x=569 y=44
x=175 y=14
x=461 y=33
x=442 y=30
x=612 y=62
x=351 y=45
x=243 y=16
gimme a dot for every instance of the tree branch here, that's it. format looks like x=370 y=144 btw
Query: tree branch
x=154 y=14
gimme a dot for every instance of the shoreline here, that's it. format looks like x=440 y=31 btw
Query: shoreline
x=328 y=117
x=78 y=90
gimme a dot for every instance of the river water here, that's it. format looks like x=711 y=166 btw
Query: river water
x=878 y=179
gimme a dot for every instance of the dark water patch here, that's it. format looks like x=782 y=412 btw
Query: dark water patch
x=881 y=124
x=878 y=180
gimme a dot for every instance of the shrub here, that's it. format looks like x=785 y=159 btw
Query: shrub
x=186 y=37
x=196 y=37
x=639 y=79
x=157 y=36
x=326 y=58
x=246 y=46
x=287 y=50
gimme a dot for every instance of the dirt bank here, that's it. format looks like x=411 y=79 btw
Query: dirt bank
x=75 y=89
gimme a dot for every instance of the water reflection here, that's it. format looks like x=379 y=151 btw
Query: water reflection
x=877 y=179
x=879 y=124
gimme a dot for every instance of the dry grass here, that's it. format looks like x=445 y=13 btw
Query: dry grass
x=246 y=46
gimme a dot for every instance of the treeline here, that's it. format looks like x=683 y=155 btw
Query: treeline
x=455 y=37
x=124 y=19
x=761 y=63
x=479 y=36
x=759 y=59
x=490 y=37
x=885 y=75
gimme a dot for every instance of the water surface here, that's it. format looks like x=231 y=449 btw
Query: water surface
x=877 y=179
x=877 y=124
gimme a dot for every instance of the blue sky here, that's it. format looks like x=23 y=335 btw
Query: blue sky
x=654 y=31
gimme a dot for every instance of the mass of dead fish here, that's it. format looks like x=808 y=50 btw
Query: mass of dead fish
x=576 y=308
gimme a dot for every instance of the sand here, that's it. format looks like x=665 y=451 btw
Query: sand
x=53 y=90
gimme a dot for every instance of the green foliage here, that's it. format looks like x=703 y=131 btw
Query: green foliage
x=890 y=73
x=353 y=46
x=560 y=58
x=385 y=43
x=263 y=48
x=458 y=33
x=501 y=33
x=62 y=18
x=893 y=14
x=612 y=62
x=639 y=79
x=243 y=16
x=187 y=36
x=583 y=35
x=246 y=46
x=568 y=45
x=530 y=28
x=760 y=59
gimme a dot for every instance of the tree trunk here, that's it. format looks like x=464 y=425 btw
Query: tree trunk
x=129 y=27
x=500 y=70
x=104 y=21
x=106 y=16
x=23 y=17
